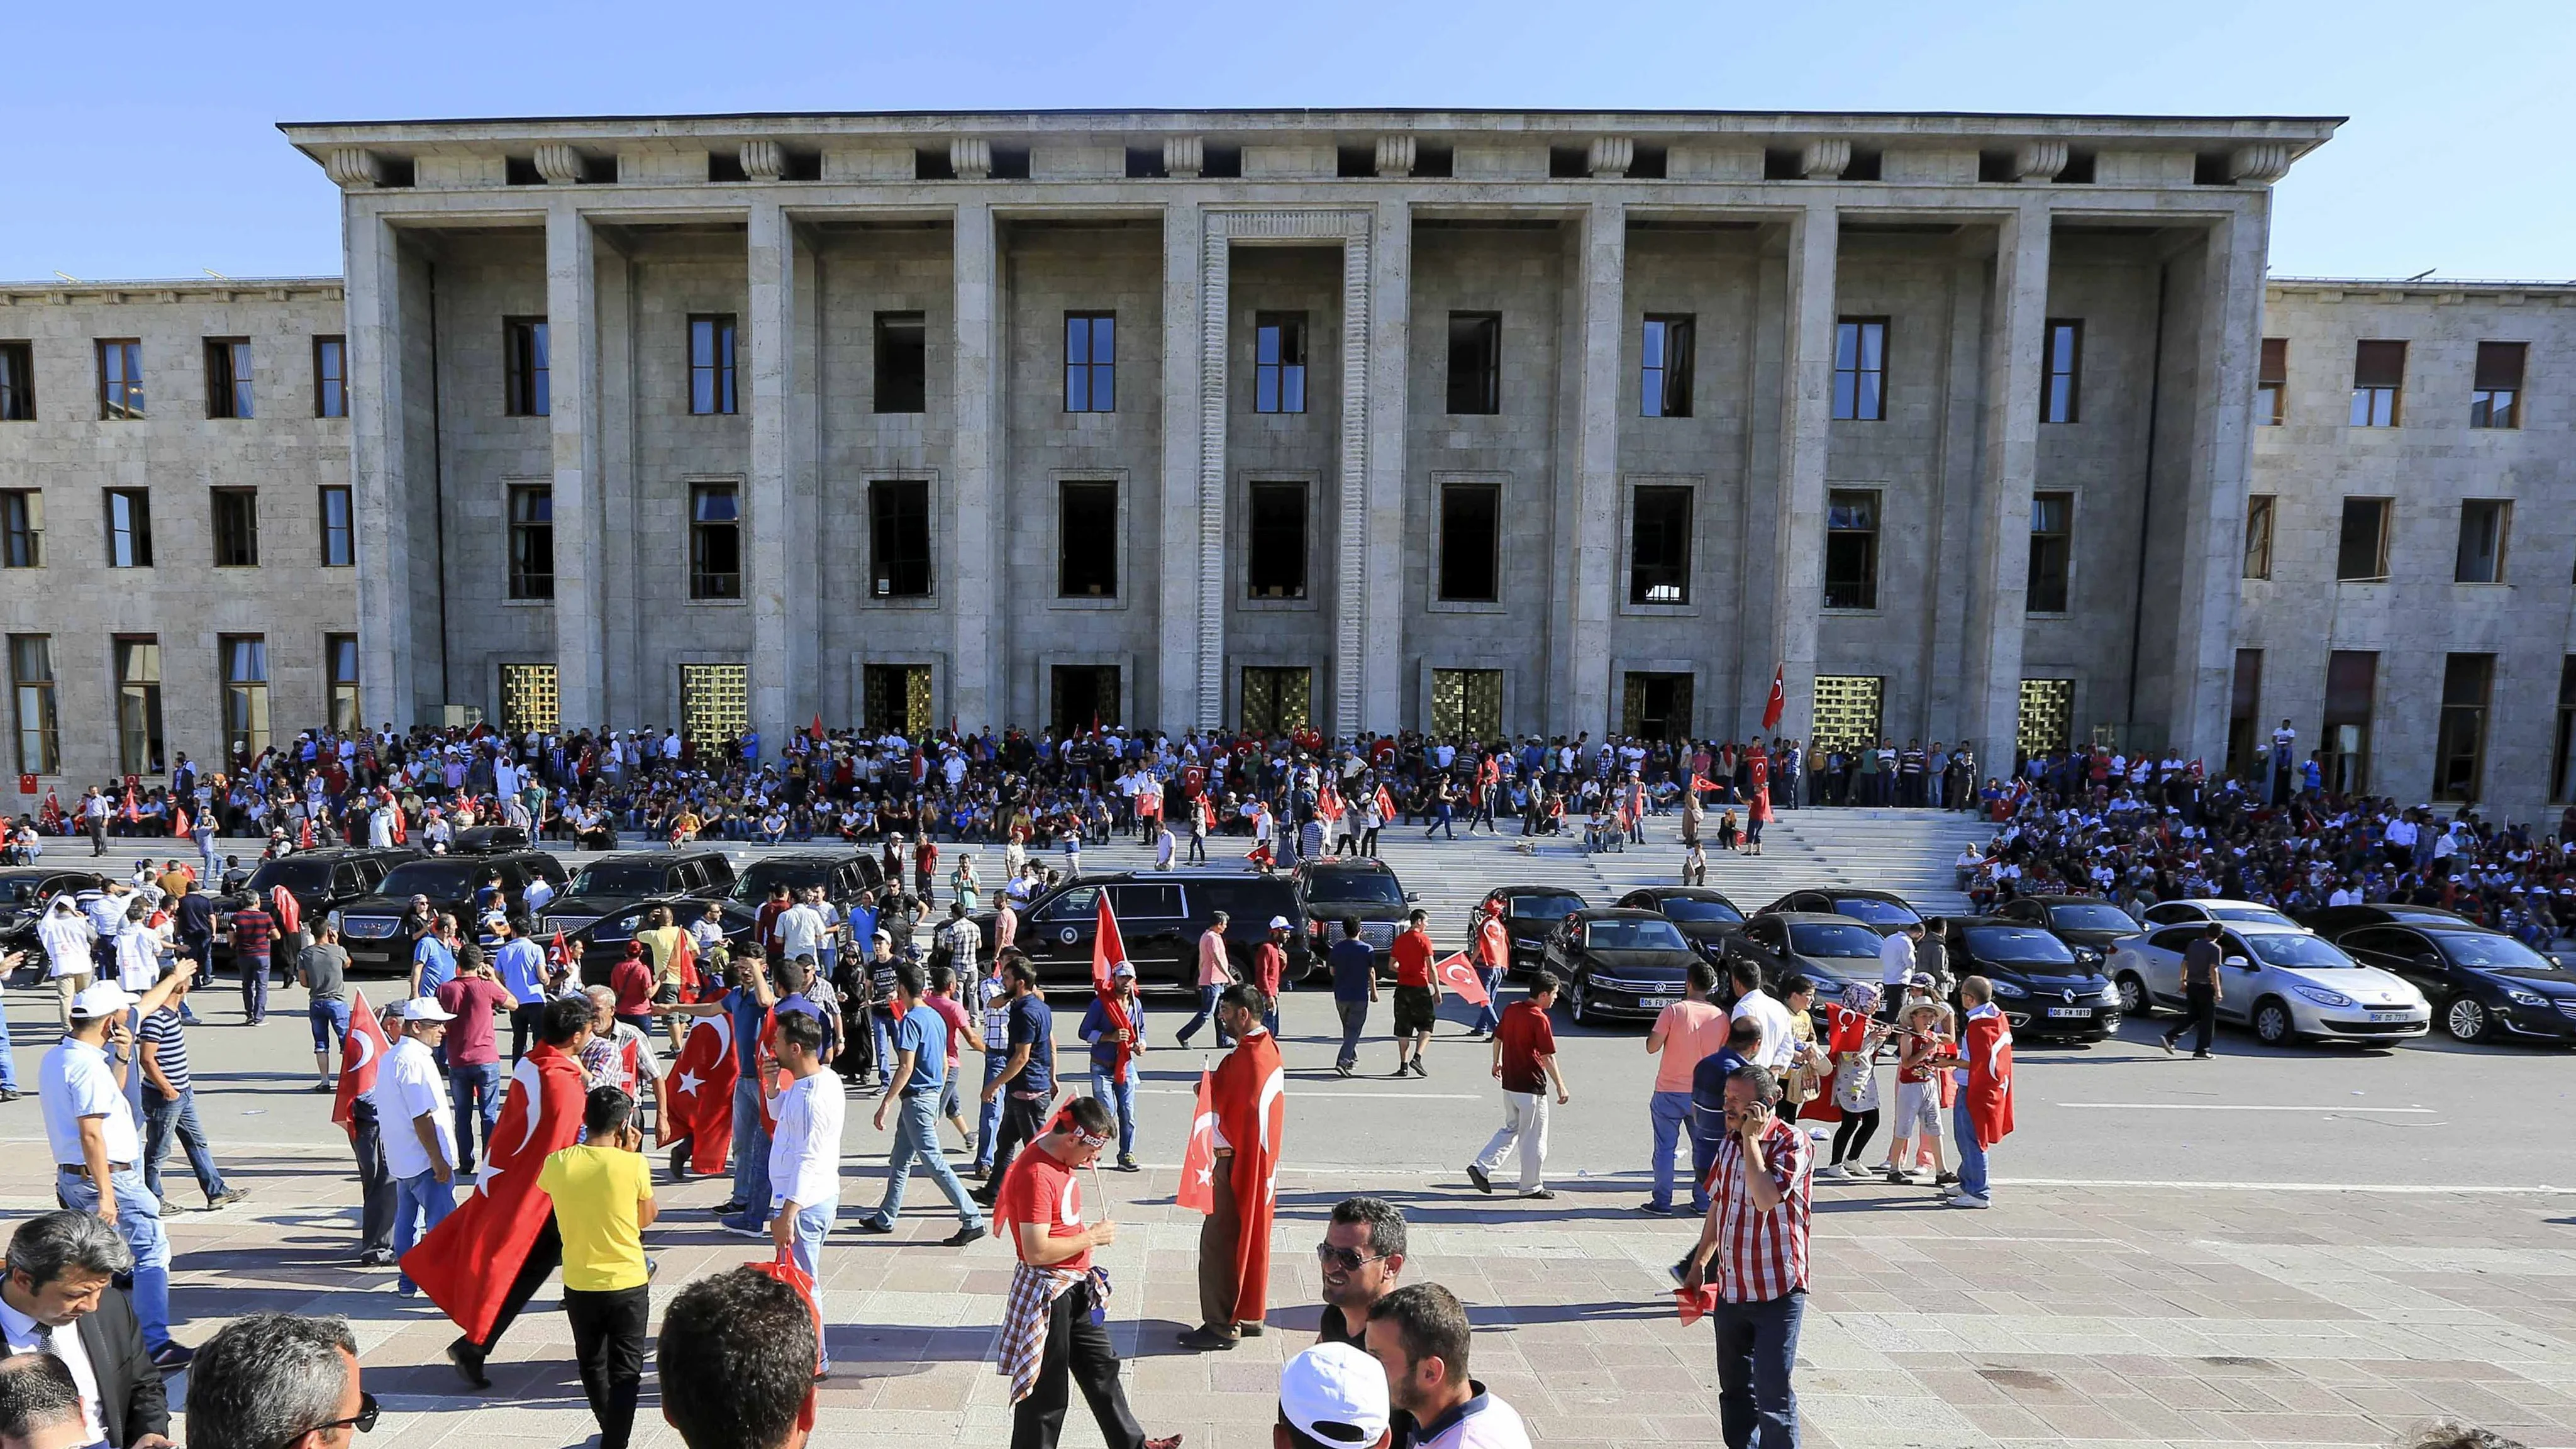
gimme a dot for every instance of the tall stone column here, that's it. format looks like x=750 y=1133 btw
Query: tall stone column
x=2231 y=329
x=780 y=560
x=572 y=341
x=1380 y=666
x=1999 y=538
x=1190 y=619
x=1806 y=415
x=1351 y=483
x=1587 y=604
x=977 y=697
x=390 y=573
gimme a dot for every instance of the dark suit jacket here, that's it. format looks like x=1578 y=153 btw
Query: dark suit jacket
x=132 y=1402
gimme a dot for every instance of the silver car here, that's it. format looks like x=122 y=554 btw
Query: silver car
x=2234 y=913
x=2284 y=982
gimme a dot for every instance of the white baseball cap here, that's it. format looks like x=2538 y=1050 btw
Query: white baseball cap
x=1279 y=923
x=1335 y=1394
x=423 y=1008
x=105 y=999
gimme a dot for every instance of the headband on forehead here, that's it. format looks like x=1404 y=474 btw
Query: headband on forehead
x=1064 y=1122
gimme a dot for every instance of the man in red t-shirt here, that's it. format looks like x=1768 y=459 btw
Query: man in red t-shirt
x=1525 y=1063
x=1417 y=996
x=1269 y=969
x=1048 y=1334
x=474 y=1055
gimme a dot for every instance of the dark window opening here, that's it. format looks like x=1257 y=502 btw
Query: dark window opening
x=1470 y=542
x=330 y=377
x=129 y=528
x=1664 y=389
x=1851 y=549
x=22 y=529
x=2352 y=685
x=1433 y=160
x=532 y=541
x=236 y=515
x=1087 y=540
x=2361 y=551
x=2484 y=525
x=521 y=171
x=17 y=382
x=1145 y=162
x=1655 y=706
x=1221 y=163
x=1648 y=164
x=1278 y=542
x=1993 y=166
x=2460 y=741
x=2378 y=383
x=1010 y=163
x=1659 y=545
x=931 y=163
x=1475 y=362
x=897 y=699
x=2272 y=384
x=1863 y=166
x=2259 y=511
x=1355 y=162
x=2562 y=757
x=120 y=380
x=1565 y=163
x=2052 y=552
x=2078 y=170
x=526 y=374
x=2498 y=382
x=715 y=541
x=903 y=362
x=339 y=528
x=2062 y=371
x=2212 y=168
x=1784 y=163
x=1084 y=697
x=228 y=378
x=2245 y=748
x=899 y=538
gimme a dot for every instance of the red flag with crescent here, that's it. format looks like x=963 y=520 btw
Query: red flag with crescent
x=702 y=1083
x=1108 y=953
x=1385 y=805
x=467 y=1263
x=1779 y=698
x=1197 y=1191
x=179 y=822
x=1456 y=973
x=129 y=802
x=1329 y=804
x=1248 y=1092
x=53 y=817
x=360 y=1049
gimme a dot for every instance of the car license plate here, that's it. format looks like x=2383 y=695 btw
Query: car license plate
x=2387 y=1016
x=2056 y=1012
x=1658 y=1001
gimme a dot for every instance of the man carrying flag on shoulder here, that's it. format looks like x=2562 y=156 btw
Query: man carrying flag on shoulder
x=1493 y=961
x=482 y=1264
x=362 y=1047
x=1983 y=1114
x=1249 y=1092
x=1114 y=1024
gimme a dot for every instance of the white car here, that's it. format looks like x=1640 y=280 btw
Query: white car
x=2284 y=982
x=2234 y=913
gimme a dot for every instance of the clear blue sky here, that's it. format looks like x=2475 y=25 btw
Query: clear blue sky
x=146 y=143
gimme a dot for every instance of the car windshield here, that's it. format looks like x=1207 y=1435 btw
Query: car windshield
x=2297 y=949
x=1359 y=887
x=2250 y=914
x=1876 y=912
x=1683 y=908
x=1543 y=908
x=618 y=878
x=2090 y=918
x=2468 y=948
x=796 y=876
x=1832 y=938
x=440 y=880
x=1632 y=936
x=2018 y=946
x=295 y=875
x=22 y=888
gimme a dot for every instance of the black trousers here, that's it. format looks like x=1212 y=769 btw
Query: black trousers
x=1076 y=1349
x=608 y=1343
x=375 y=1181
x=527 y=1019
x=545 y=1255
x=2199 y=1011
x=1022 y=1123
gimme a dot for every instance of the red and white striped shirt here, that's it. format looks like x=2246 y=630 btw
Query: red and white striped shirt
x=1760 y=1255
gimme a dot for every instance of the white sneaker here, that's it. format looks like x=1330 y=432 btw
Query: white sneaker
x=1965 y=1200
x=1836 y=1172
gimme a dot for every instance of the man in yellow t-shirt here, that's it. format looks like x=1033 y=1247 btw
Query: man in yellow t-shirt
x=603 y=1196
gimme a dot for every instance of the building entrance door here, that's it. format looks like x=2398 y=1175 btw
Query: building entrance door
x=1081 y=696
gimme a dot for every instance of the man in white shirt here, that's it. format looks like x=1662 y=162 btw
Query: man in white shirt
x=412 y=1111
x=1764 y=1010
x=98 y=1154
x=66 y=935
x=804 y=1151
x=801 y=927
x=1896 y=967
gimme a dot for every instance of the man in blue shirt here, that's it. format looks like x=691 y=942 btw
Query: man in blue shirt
x=1354 y=969
x=522 y=967
x=913 y=1090
x=433 y=961
x=798 y=980
x=748 y=1006
x=1026 y=1084
x=1112 y=1081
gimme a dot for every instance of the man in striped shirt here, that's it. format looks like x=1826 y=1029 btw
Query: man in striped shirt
x=1753 y=1251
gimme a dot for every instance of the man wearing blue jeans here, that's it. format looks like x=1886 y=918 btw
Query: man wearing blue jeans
x=915 y=1091
x=98 y=1155
x=1216 y=973
x=1754 y=1242
x=805 y=1156
x=747 y=1006
x=170 y=1105
x=418 y=1125
x=1113 y=1051
x=1354 y=969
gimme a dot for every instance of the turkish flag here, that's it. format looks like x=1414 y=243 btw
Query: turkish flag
x=1699 y=786
x=360 y=1050
x=179 y=822
x=814 y=731
x=1779 y=698
x=1329 y=804
x=1458 y=974
x=304 y=833
x=467 y=1263
x=1197 y=1191
x=129 y=800
x=1385 y=805
x=702 y=1082
x=1107 y=949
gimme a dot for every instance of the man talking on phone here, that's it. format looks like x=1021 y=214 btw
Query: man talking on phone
x=1753 y=1250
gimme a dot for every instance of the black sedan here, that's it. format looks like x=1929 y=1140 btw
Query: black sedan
x=2333 y=921
x=2039 y=985
x=1531 y=913
x=1834 y=952
x=1882 y=911
x=2090 y=924
x=602 y=943
x=2484 y=985
x=1619 y=963
x=1705 y=918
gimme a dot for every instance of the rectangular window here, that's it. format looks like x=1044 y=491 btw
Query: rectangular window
x=2378 y=380
x=1655 y=706
x=2259 y=509
x=532 y=541
x=1665 y=386
x=1467 y=704
x=228 y=377
x=2352 y=687
x=1851 y=548
x=1277 y=552
x=897 y=699
x=1659 y=545
x=526 y=392
x=1475 y=363
x=1860 y=369
x=715 y=705
x=2244 y=714
x=903 y=362
x=1277 y=701
x=17 y=382
x=711 y=364
x=2498 y=384
x=139 y=746
x=529 y=698
x=1081 y=697
x=2060 y=377
x=245 y=659
x=1847 y=709
x=715 y=540
x=2460 y=743
x=1086 y=565
x=340 y=674
x=22 y=528
x=31 y=690
x=330 y=377
x=236 y=515
x=1091 y=362
x=339 y=532
x=899 y=538
x=120 y=379
x=2361 y=554
x=1279 y=362
x=2484 y=525
x=2052 y=552
x=2272 y=384
x=1471 y=543
x=129 y=528
x=2562 y=758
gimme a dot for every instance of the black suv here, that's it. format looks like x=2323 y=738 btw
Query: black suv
x=602 y=944
x=323 y=881
x=614 y=882
x=371 y=927
x=1161 y=915
x=1530 y=914
x=1882 y=911
x=1329 y=890
x=843 y=875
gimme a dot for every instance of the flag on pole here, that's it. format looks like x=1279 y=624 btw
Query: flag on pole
x=1329 y=804
x=1108 y=951
x=814 y=731
x=360 y=1049
x=1458 y=974
x=1385 y=805
x=1198 y=1162
x=179 y=822
x=1779 y=698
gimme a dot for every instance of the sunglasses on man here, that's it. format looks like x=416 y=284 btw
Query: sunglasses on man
x=364 y=1422
x=1346 y=1259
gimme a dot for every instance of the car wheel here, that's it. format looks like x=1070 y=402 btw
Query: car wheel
x=2467 y=1019
x=2133 y=996
x=1574 y=1003
x=2272 y=1024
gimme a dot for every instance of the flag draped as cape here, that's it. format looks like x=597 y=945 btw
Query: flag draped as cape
x=1250 y=1096
x=466 y=1264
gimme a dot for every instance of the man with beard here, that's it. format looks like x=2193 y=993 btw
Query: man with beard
x=1362 y=1255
